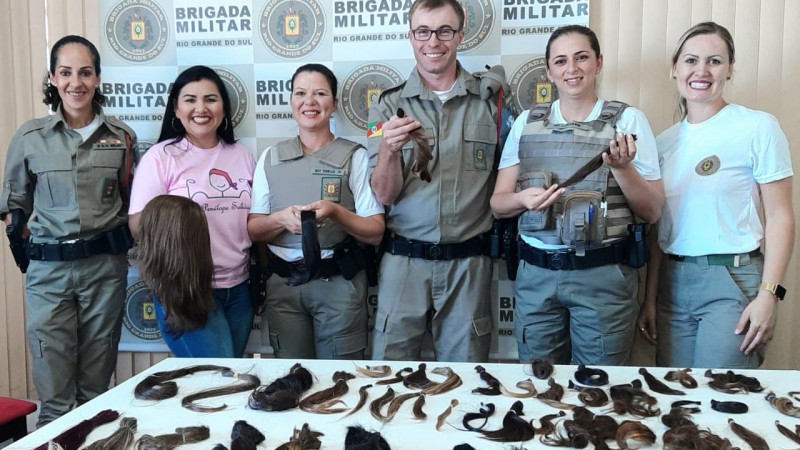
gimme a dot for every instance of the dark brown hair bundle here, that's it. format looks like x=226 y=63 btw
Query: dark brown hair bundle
x=120 y=439
x=657 y=385
x=755 y=441
x=546 y=422
x=682 y=377
x=494 y=383
x=732 y=383
x=445 y=414
x=283 y=393
x=358 y=438
x=590 y=396
x=783 y=404
x=553 y=395
x=422 y=151
x=160 y=385
x=250 y=382
x=374 y=371
x=322 y=402
x=632 y=399
x=515 y=428
x=362 y=399
x=73 y=438
x=632 y=434
x=303 y=439
x=678 y=416
x=398 y=377
x=542 y=368
x=689 y=437
x=418 y=379
x=181 y=436
x=416 y=410
x=377 y=404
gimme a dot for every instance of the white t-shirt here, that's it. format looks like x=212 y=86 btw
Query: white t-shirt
x=711 y=171
x=366 y=203
x=631 y=121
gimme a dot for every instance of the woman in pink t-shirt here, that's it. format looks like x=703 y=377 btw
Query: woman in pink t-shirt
x=197 y=157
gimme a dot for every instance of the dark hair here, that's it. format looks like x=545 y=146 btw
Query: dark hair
x=174 y=257
x=436 y=4
x=172 y=130
x=51 y=96
x=573 y=29
x=698 y=30
x=319 y=68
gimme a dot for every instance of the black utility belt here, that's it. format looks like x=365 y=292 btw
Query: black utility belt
x=115 y=242
x=284 y=269
x=567 y=260
x=400 y=246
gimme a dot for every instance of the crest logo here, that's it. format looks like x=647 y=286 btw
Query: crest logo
x=237 y=93
x=140 y=314
x=362 y=88
x=708 y=166
x=530 y=86
x=479 y=16
x=137 y=30
x=292 y=28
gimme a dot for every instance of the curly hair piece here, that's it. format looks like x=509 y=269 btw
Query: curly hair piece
x=377 y=404
x=322 y=402
x=783 y=404
x=590 y=396
x=445 y=414
x=682 y=377
x=250 y=383
x=787 y=432
x=181 y=436
x=73 y=438
x=657 y=385
x=120 y=439
x=484 y=412
x=755 y=441
x=159 y=386
x=362 y=399
x=303 y=439
x=733 y=383
x=542 y=368
x=632 y=399
x=633 y=435
x=453 y=381
x=283 y=393
x=174 y=257
x=374 y=371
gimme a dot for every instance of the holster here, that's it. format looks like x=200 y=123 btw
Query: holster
x=18 y=244
x=510 y=248
x=638 y=247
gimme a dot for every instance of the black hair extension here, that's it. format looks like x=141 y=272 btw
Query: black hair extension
x=656 y=385
x=485 y=411
x=245 y=436
x=494 y=383
x=729 y=407
x=678 y=417
x=591 y=377
x=358 y=438
x=515 y=428
x=685 y=405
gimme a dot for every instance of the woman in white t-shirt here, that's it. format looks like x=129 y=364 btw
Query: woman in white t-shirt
x=712 y=296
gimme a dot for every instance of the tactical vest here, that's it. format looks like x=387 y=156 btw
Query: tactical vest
x=591 y=213
x=297 y=178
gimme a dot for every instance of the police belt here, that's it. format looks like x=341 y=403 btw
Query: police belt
x=400 y=246
x=568 y=260
x=285 y=269
x=115 y=242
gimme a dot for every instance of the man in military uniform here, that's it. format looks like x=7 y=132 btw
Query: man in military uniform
x=436 y=273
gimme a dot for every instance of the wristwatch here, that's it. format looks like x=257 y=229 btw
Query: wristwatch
x=776 y=289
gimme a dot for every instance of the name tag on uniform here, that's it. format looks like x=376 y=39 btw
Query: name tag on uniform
x=336 y=172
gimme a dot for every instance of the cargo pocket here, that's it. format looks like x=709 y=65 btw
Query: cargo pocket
x=105 y=176
x=481 y=326
x=536 y=220
x=381 y=319
x=275 y=341
x=349 y=344
x=583 y=221
x=54 y=185
x=480 y=141
x=617 y=345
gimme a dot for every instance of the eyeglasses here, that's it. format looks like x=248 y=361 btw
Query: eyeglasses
x=443 y=34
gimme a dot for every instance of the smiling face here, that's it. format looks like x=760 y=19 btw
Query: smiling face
x=436 y=58
x=199 y=107
x=76 y=79
x=701 y=69
x=573 y=67
x=313 y=101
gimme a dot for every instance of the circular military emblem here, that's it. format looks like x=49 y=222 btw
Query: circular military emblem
x=479 y=22
x=237 y=93
x=708 y=166
x=292 y=28
x=361 y=89
x=530 y=86
x=140 y=314
x=137 y=30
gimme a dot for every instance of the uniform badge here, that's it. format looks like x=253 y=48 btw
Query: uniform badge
x=479 y=157
x=708 y=166
x=109 y=191
x=332 y=189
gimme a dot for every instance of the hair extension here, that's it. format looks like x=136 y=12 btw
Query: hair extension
x=630 y=398
x=586 y=425
x=417 y=409
x=794 y=395
x=322 y=402
x=657 y=385
x=515 y=428
x=397 y=402
x=683 y=404
x=689 y=437
x=120 y=439
x=250 y=383
x=159 y=386
x=729 y=407
x=542 y=368
x=378 y=403
x=74 y=437
x=358 y=438
x=677 y=417
x=283 y=393
x=463 y=447
x=219 y=447
x=398 y=377
x=788 y=433
x=445 y=414
x=553 y=396
x=245 y=436
x=453 y=381
x=546 y=422
x=590 y=396
x=422 y=151
x=632 y=435
x=362 y=399
x=494 y=383
x=303 y=439
x=484 y=412
x=183 y=435
x=755 y=441
x=682 y=377
x=783 y=404
x=591 y=377
x=418 y=379
x=374 y=371
x=526 y=385
x=732 y=383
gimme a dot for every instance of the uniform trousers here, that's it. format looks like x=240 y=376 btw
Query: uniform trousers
x=74 y=313
x=576 y=316
x=451 y=299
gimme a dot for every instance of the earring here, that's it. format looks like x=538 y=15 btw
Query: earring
x=177 y=129
x=225 y=121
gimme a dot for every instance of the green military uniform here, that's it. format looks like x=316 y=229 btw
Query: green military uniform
x=70 y=189
x=435 y=285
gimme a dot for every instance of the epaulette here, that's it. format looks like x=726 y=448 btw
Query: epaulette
x=115 y=122
x=35 y=124
x=610 y=113
x=391 y=89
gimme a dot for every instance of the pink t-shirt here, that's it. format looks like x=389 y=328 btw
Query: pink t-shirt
x=218 y=179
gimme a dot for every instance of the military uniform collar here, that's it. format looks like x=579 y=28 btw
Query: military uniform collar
x=465 y=83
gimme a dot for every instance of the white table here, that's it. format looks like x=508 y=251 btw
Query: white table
x=404 y=432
